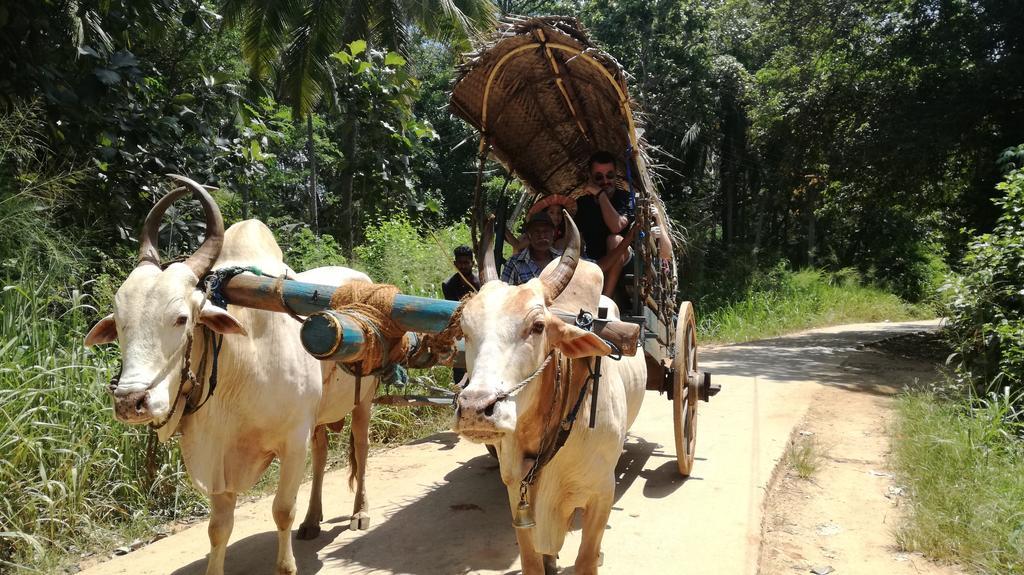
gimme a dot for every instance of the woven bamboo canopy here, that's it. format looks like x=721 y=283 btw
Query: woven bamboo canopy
x=544 y=98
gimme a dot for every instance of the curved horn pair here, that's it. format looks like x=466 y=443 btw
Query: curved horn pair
x=554 y=281
x=202 y=260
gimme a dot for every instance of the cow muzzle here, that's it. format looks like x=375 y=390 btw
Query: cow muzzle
x=132 y=407
x=483 y=415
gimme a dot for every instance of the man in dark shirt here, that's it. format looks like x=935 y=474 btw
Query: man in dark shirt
x=463 y=281
x=603 y=215
x=457 y=286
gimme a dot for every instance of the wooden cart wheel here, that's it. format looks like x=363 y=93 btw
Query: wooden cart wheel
x=684 y=394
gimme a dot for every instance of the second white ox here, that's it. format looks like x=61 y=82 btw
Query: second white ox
x=510 y=333
x=271 y=394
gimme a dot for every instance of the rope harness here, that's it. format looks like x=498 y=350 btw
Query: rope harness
x=426 y=350
x=185 y=376
x=388 y=346
x=188 y=383
x=554 y=437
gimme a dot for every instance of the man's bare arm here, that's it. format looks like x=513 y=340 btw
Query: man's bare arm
x=662 y=235
x=615 y=221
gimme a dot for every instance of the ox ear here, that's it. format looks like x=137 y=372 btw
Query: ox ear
x=575 y=342
x=219 y=320
x=105 y=331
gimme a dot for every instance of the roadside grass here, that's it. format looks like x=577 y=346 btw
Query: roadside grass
x=804 y=455
x=71 y=474
x=783 y=301
x=964 y=467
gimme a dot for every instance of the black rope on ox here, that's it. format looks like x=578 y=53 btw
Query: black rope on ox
x=184 y=376
x=216 y=341
x=216 y=279
x=214 y=283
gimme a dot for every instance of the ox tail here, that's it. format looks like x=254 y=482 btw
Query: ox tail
x=353 y=461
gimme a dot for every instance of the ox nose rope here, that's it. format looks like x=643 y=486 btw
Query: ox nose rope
x=188 y=383
x=184 y=376
x=514 y=389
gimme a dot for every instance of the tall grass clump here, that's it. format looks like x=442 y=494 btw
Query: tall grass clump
x=69 y=473
x=962 y=452
x=781 y=301
x=964 y=466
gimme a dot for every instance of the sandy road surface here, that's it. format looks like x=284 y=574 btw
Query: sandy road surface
x=439 y=507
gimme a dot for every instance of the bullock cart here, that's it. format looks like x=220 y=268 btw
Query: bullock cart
x=543 y=98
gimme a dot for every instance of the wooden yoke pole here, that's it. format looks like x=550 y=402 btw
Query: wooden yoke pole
x=334 y=335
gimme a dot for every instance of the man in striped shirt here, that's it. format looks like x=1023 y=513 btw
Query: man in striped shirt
x=527 y=264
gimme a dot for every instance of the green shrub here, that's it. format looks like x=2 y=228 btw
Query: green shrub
x=305 y=250
x=986 y=309
x=395 y=252
x=780 y=301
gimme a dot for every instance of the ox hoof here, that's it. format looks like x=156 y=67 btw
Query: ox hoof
x=360 y=521
x=308 y=531
x=287 y=569
x=550 y=565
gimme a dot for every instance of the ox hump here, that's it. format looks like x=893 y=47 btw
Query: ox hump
x=583 y=291
x=250 y=243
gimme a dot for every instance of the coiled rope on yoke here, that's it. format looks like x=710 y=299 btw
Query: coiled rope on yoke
x=370 y=306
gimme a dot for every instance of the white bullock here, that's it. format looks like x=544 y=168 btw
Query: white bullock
x=270 y=394
x=510 y=332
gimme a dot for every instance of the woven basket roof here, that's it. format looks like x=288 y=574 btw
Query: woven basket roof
x=546 y=98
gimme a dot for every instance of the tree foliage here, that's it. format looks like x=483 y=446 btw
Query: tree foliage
x=986 y=307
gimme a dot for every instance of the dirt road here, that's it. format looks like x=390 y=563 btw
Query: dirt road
x=439 y=507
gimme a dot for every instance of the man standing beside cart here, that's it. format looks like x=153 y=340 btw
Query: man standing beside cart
x=462 y=283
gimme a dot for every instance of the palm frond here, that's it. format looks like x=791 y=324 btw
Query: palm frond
x=452 y=21
x=304 y=62
x=390 y=25
x=233 y=12
x=265 y=25
x=358 y=20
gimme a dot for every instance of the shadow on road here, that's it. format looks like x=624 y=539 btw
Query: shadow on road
x=815 y=357
x=420 y=536
x=261 y=549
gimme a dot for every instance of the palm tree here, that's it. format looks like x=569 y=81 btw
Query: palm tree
x=293 y=40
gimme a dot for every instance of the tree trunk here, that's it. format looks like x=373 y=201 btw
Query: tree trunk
x=759 y=211
x=311 y=152
x=245 y=199
x=348 y=149
x=812 y=202
x=733 y=132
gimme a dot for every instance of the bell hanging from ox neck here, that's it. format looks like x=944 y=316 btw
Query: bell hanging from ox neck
x=523 y=517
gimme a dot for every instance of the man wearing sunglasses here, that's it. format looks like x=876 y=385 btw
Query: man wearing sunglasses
x=604 y=215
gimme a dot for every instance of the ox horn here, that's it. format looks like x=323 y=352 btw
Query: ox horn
x=556 y=281
x=202 y=260
x=488 y=271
